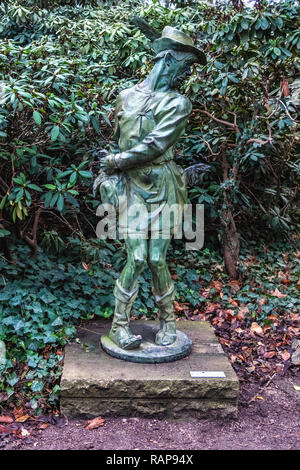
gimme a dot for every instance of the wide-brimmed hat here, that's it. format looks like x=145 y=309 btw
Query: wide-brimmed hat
x=172 y=38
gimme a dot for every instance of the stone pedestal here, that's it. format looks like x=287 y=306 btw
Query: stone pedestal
x=96 y=384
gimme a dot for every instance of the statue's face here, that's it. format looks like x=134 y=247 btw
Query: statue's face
x=183 y=71
x=179 y=70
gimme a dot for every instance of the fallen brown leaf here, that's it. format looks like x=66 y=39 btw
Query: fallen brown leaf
x=295 y=317
x=242 y=312
x=179 y=307
x=86 y=267
x=240 y=356
x=44 y=426
x=205 y=293
x=4 y=429
x=234 y=285
x=224 y=341
x=95 y=423
x=233 y=302
x=229 y=313
x=285 y=355
x=255 y=328
x=239 y=330
x=281 y=275
x=18 y=412
x=293 y=331
x=277 y=293
x=22 y=419
x=6 y=419
x=272 y=317
x=217 y=285
x=269 y=354
x=219 y=267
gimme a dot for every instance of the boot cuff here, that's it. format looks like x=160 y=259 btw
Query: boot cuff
x=166 y=297
x=123 y=295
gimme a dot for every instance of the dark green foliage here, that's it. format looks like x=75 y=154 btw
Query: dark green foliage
x=57 y=96
x=60 y=71
x=246 y=107
x=62 y=64
x=40 y=302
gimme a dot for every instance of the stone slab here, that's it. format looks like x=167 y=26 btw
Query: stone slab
x=95 y=383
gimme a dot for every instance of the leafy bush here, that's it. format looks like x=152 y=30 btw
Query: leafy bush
x=62 y=67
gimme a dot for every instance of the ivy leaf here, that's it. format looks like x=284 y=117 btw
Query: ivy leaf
x=57 y=322
x=12 y=379
x=4 y=233
x=37 y=386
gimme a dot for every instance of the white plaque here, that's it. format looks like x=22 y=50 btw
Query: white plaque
x=207 y=374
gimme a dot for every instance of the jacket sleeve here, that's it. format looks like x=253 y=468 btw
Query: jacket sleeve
x=171 y=118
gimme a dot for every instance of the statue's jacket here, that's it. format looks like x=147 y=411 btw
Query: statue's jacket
x=147 y=125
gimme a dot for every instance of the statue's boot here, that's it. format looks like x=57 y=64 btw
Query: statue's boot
x=167 y=332
x=120 y=332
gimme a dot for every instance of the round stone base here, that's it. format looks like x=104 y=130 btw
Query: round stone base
x=148 y=351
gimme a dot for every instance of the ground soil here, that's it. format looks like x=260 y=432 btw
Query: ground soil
x=268 y=419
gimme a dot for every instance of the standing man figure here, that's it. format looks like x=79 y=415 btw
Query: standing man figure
x=150 y=117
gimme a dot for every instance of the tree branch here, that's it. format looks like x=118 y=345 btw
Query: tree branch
x=233 y=125
x=32 y=242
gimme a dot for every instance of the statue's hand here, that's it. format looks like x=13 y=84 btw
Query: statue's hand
x=108 y=164
x=101 y=153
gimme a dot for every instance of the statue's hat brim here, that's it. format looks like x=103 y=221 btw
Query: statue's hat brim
x=174 y=39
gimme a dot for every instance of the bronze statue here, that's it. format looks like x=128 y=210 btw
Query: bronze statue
x=150 y=117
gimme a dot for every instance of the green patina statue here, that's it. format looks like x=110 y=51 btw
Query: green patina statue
x=150 y=117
